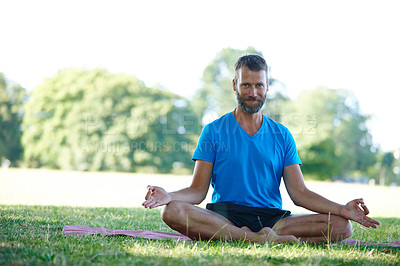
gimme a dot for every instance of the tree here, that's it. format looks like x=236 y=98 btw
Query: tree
x=216 y=96
x=319 y=161
x=12 y=97
x=96 y=120
x=277 y=103
x=331 y=133
x=386 y=167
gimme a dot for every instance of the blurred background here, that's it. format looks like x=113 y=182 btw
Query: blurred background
x=126 y=86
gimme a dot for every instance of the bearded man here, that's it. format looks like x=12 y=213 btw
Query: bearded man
x=244 y=155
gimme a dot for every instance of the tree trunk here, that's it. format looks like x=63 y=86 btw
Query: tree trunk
x=382 y=177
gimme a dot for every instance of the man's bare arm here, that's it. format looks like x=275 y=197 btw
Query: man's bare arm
x=355 y=210
x=194 y=194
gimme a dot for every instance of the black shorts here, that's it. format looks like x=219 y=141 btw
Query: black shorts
x=253 y=217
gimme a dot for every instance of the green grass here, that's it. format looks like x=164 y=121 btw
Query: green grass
x=33 y=235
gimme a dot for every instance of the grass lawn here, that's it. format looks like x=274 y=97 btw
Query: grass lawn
x=33 y=235
x=36 y=204
x=106 y=189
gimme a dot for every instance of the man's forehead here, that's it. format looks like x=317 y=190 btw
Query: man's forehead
x=245 y=72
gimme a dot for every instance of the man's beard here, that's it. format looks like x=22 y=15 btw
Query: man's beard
x=250 y=109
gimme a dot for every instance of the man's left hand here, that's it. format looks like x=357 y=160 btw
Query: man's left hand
x=356 y=211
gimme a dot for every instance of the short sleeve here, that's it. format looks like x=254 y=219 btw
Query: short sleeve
x=205 y=148
x=291 y=155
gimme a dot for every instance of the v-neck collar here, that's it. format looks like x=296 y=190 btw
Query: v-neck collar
x=242 y=129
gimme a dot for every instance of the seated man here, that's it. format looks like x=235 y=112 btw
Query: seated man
x=244 y=155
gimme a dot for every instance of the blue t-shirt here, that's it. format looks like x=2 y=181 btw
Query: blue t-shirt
x=247 y=169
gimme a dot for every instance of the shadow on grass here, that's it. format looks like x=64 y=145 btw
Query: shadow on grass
x=124 y=250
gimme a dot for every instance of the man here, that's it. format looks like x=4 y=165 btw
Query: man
x=244 y=155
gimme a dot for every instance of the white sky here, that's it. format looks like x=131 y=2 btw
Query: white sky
x=349 y=44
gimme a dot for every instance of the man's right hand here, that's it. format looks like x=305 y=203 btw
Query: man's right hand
x=156 y=197
x=356 y=211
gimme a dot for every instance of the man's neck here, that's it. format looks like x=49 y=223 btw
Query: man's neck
x=251 y=123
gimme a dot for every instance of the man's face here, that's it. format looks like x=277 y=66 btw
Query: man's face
x=251 y=89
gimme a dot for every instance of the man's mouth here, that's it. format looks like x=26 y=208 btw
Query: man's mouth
x=251 y=99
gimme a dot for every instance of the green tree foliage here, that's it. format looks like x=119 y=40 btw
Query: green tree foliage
x=216 y=96
x=386 y=171
x=319 y=161
x=331 y=133
x=396 y=168
x=277 y=103
x=12 y=96
x=96 y=120
x=329 y=129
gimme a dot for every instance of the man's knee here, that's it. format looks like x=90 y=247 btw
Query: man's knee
x=172 y=211
x=341 y=226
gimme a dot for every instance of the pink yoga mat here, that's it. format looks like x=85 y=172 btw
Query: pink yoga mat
x=364 y=243
x=85 y=230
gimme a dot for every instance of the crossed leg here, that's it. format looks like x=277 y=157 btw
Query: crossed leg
x=315 y=228
x=197 y=223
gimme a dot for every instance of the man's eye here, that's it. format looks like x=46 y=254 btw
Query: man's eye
x=260 y=85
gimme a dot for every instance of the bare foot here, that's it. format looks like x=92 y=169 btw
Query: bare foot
x=269 y=236
x=245 y=228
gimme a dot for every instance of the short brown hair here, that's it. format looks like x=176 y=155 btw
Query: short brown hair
x=253 y=61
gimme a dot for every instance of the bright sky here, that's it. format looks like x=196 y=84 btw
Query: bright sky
x=353 y=45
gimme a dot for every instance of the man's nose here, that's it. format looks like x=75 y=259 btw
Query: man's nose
x=253 y=91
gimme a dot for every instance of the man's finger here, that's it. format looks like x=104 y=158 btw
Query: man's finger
x=373 y=222
x=148 y=194
x=146 y=204
x=154 y=205
x=150 y=190
x=368 y=222
x=365 y=208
